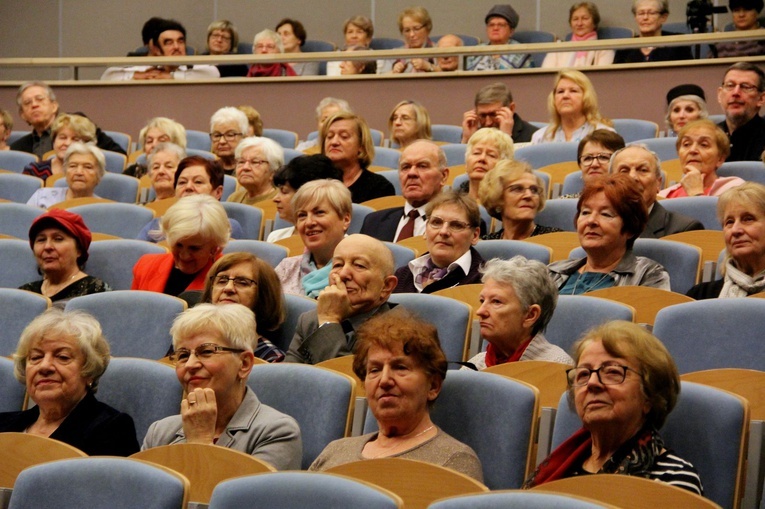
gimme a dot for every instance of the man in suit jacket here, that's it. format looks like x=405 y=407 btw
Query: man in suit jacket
x=423 y=173
x=361 y=281
x=643 y=166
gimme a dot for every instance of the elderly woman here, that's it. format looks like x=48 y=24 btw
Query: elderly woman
x=65 y=130
x=685 y=103
x=352 y=67
x=213 y=357
x=594 y=153
x=573 y=107
x=357 y=33
x=345 y=138
x=518 y=299
x=650 y=15
x=322 y=211
x=268 y=42
x=163 y=163
x=610 y=215
x=60 y=358
x=228 y=126
x=484 y=148
x=415 y=25
x=242 y=278
x=397 y=353
x=84 y=166
x=254 y=121
x=409 y=121
x=158 y=130
x=196 y=229
x=223 y=39
x=6 y=127
x=514 y=194
x=622 y=407
x=256 y=161
x=453 y=228
x=584 y=19
x=60 y=240
x=325 y=109
x=290 y=178
x=702 y=147
x=293 y=36
x=741 y=211
x=746 y=15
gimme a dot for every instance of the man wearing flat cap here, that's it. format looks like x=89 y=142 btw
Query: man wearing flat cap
x=501 y=22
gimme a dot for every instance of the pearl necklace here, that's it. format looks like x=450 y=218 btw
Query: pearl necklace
x=389 y=449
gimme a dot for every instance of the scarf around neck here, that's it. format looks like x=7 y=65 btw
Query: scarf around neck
x=740 y=284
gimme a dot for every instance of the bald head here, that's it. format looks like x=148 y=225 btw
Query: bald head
x=449 y=63
x=366 y=268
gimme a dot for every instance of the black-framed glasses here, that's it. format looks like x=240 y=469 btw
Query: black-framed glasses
x=203 y=352
x=241 y=283
x=229 y=136
x=436 y=223
x=608 y=374
x=590 y=159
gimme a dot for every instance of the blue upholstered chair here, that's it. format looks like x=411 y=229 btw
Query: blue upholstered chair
x=17 y=264
x=112 y=261
x=506 y=249
x=287 y=139
x=295 y=306
x=269 y=252
x=124 y=220
x=19 y=307
x=576 y=314
x=11 y=390
x=15 y=160
x=18 y=188
x=251 y=218
x=517 y=498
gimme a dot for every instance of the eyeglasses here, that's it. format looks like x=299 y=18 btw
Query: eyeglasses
x=747 y=88
x=240 y=283
x=590 y=159
x=647 y=14
x=203 y=352
x=216 y=35
x=436 y=223
x=608 y=374
x=252 y=162
x=491 y=115
x=519 y=189
x=230 y=136
x=411 y=30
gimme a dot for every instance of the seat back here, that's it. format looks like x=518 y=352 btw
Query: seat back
x=135 y=322
x=561 y=243
x=320 y=400
x=647 y=301
x=15 y=160
x=100 y=483
x=204 y=465
x=455 y=153
x=121 y=139
x=392 y=177
x=402 y=255
x=633 y=129
x=297 y=490
x=112 y=261
x=19 y=451
x=11 y=390
x=703 y=208
x=15 y=219
x=199 y=140
x=545 y=154
x=386 y=157
x=573 y=183
x=120 y=219
x=270 y=253
x=446 y=133
x=664 y=147
x=385 y=43
x=251 y=218
x=418 y=483
x=576 y=314
x=558 y=213
x=534 y=36
x=144 y=389
x=229 y=186
x=725 y=333
x=385 y=202
x=518 y=498
x=115 y=162
x=287 y=139
x=118 y=187
x=17 y=264
x=506 y=249
x=359 y=213
x=452 y=319
x=295 y=306
x=18 y=188
x=752 y=171
x=711 y=242
x=19 y=308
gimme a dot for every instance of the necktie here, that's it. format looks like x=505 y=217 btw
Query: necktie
x=407 y=230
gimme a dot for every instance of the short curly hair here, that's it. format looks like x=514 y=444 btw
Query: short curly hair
x=491 y=192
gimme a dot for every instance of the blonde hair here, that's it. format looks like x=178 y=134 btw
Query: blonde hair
x=590 y=108
x=316 y=191
x=170 y=127
x=421 y=120
x=501 y=141
x=200 y=214
x=366 y=143
x=234 y=323
x=491 y=192
x=82 y=126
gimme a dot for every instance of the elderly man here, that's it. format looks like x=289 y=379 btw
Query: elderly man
x=422 y=172
x=169 y=40
x=38 y=107
x=494 y=107
x=501 y=22
x=227 y=128
x=362 y=280
x=741 y=96
x=448 y=64
x=643 y=166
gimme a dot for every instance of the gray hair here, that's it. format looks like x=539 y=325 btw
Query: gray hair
x=87 y=149
x=170 y=127
x=76 y=325
x=653 y=155
x=332 y=101
x=268 y=34
x=234 y=323
x=30 y=84
x=199 y=214
x=230 y=114
x=530 y=281
x=166 y=146
x=272 y=151
x=663 y=5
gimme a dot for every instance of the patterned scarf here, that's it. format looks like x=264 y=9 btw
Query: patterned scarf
x=740 y=284
x=588 y=37
x=635 y=457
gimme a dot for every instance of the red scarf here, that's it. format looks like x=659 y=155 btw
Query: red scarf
x=494 y=356
x=276 y=69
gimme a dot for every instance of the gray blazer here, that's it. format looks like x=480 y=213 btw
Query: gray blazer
x=631 y=271
x=662 y=222
x=254 y=429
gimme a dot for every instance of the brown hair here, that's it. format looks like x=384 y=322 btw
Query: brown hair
x=626 y=199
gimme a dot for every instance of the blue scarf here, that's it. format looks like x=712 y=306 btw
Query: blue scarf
x=316 y=281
